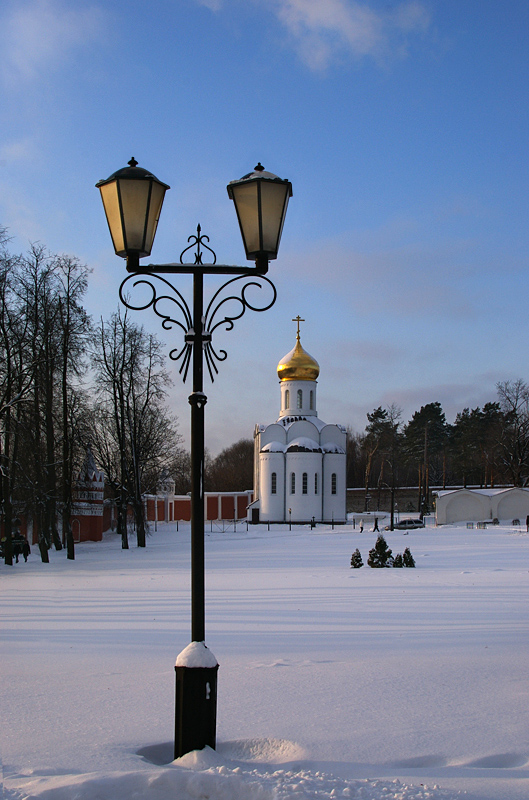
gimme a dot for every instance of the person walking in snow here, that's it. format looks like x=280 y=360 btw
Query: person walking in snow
x=26 y=549
x=375 y=527
x=361 y=526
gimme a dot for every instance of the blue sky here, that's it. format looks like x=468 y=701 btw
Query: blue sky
x=403 y=127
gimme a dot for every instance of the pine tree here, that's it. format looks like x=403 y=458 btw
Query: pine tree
x=380 y=555
x=356 y=559
x=407 y=558
x=398 y=561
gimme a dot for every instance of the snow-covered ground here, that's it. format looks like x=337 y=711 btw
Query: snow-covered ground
x=333 y=682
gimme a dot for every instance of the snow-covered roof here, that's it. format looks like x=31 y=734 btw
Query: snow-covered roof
x=486 y=492
x=332 y=447
x=273 y=447
x=303 y=443
x=290 y=420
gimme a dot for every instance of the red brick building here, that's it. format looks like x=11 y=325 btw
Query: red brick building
x=92 y=515
x=218 y=506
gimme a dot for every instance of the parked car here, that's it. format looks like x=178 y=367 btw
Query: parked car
x=407 y=525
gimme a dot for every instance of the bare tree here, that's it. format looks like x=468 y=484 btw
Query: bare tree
x=42 y=327
x=15 y=384
x=514 y=443
x=131 y=383
x=75 y=328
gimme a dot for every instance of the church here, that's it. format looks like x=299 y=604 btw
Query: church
x=299 y=460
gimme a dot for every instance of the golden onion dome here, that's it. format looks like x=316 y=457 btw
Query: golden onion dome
x=298 y=365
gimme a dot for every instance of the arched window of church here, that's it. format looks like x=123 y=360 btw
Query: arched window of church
x=300 y=398
x=274 y=483
x=287 y=398
x=333 y=483
x=292 y=483
x=305 y=483
x=311 y=400
x=315 y=483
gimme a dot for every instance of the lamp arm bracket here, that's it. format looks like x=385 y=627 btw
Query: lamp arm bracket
x=224 y=308
x=175 y=268
x=143 y=286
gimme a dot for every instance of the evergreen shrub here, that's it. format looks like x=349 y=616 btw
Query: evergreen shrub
x=356 y=559
x=380 y=555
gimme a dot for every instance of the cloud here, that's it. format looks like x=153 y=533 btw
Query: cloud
x=322 y=30
x=18 y=150
x=37 y=36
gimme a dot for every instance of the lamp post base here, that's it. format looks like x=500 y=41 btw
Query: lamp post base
x=196 y=699
x=196 y=709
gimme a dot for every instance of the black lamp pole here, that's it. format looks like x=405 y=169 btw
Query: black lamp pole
x=197 y=401
x=133 y=198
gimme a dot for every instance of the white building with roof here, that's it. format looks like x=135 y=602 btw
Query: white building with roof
x=460 y=505
x=299 y=460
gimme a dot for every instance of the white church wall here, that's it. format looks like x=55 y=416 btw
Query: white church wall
x=256 y=464
x=303 y=505
x=272 y=505
x=334 y=503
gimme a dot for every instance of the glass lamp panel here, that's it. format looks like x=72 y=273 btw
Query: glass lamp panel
x=155 y=207
x=274 y=201
x=134 y=204
x=246 y=200
x=110 y=198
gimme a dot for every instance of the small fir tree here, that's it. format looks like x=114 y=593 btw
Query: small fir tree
x=398 y=560
x=380 y=555
x=356 y=559
x=407 y=558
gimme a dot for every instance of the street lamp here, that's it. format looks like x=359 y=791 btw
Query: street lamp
x=261 y=200
x=132 y=198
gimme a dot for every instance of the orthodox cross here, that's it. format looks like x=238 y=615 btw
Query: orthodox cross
x=298 y=320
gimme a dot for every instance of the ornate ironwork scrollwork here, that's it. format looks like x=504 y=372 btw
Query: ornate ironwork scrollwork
x=223 y=309
x=157 y=301
x=212 y=322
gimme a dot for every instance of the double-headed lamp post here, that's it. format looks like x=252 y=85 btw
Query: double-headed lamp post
x=133 y=198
